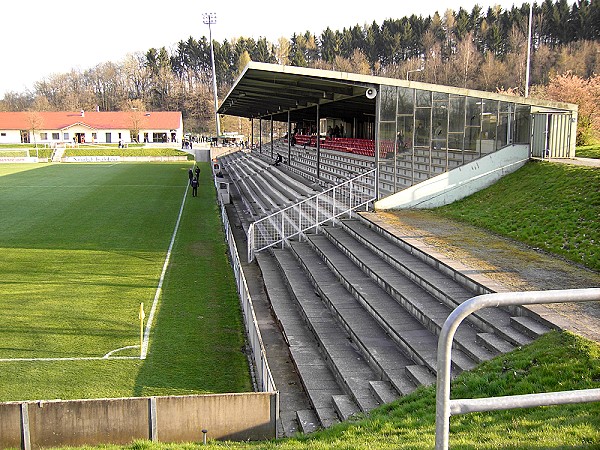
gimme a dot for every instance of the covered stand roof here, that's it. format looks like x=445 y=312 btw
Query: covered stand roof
x=264 y=89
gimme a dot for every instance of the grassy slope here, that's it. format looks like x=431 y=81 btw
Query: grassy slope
x=554 y=207
x=588 y=151
x=89 y=243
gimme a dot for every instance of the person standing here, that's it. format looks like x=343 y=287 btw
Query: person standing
x=190 y=175
x=197 y=170
x=195 y=187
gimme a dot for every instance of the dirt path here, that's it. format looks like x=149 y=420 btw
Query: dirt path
x=513 y=265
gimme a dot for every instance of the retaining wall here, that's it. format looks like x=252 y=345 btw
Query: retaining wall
x=245 y=416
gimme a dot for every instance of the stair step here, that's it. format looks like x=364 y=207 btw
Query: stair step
x=494 y=343
x=420 y=375
x=344 y=406
x=401 y=381
x=528 y=326
x=383 y=391
x=307 y=420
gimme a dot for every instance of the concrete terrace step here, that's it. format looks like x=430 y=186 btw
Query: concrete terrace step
x=349 y=367
x=374 y=343
x=344 y=406
x=494 y=343
x=318 y=380
x=437 y=283
x=420 y=375
x=419 y=302
x=529 y=326
x=307 y=421
x=383 y=391
x=419 y=342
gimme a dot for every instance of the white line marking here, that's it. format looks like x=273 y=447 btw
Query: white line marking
x=91 y=358
x=109 y=354
x=144 y=351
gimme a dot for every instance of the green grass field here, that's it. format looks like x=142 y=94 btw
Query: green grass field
x=82 y=246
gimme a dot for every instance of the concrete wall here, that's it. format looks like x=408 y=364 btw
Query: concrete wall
x=246 y=416
x=460 y=182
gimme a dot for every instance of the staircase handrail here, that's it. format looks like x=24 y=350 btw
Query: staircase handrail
x=356 y=198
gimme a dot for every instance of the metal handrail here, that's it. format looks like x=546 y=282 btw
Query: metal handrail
x=446 y=407
x=292 y=221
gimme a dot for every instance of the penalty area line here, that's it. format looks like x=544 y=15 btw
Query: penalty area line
x=144 y=350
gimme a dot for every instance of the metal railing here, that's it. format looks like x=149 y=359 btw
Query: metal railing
x=264 y=378
x=446 y=407
x=308 y=214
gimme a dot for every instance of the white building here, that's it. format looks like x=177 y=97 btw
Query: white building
x=55 y=128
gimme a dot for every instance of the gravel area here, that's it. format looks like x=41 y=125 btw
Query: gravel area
x=514 y=265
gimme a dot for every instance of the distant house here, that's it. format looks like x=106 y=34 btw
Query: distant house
x=56 y=128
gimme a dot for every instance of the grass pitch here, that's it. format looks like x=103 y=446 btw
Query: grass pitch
x=82 y=246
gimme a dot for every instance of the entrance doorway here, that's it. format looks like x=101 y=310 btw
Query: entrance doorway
x=80 y=138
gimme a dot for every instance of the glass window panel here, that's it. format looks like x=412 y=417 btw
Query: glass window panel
x=473 y=112
x=440 y=97
x=457 y=114
x=387 y=137
x=473 y=123
x=522 y=126
x=455 y=141
x=404 y=136
x=440 y=125
x=489 y=121
x=502 y=138
x=406 y=101
x=388 y=103
x=423 y=98
x=423 y=127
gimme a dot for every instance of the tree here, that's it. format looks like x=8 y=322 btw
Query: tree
x=36 y=122
x=243 y=61
x=586 y=94
x=282 y=51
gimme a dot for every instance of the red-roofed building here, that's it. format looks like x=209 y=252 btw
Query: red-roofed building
x=90 y=126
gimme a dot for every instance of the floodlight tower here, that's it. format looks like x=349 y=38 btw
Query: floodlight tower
x=210 y=19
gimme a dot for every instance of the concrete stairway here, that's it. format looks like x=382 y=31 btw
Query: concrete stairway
x=361 y=311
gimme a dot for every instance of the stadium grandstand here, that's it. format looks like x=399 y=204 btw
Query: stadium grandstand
x=359 y=309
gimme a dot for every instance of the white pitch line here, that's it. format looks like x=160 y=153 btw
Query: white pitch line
x=109 y=354
x=90 y=358
x=144 y=351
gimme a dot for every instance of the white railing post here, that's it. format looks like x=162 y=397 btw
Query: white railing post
x=251 y=242
x=334 y=202
x=282 y=230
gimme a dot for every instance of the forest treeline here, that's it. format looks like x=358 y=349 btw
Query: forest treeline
x=478 y=49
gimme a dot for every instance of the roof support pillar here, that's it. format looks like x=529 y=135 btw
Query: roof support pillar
x=272 y=136
x=289 y=135
x=260 y=135
x=318 y=145
x=252 y=132
x=377 y=124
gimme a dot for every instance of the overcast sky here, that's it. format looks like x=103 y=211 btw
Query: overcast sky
x=42 y=37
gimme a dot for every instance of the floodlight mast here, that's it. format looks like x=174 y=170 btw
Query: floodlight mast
x=210 y=19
